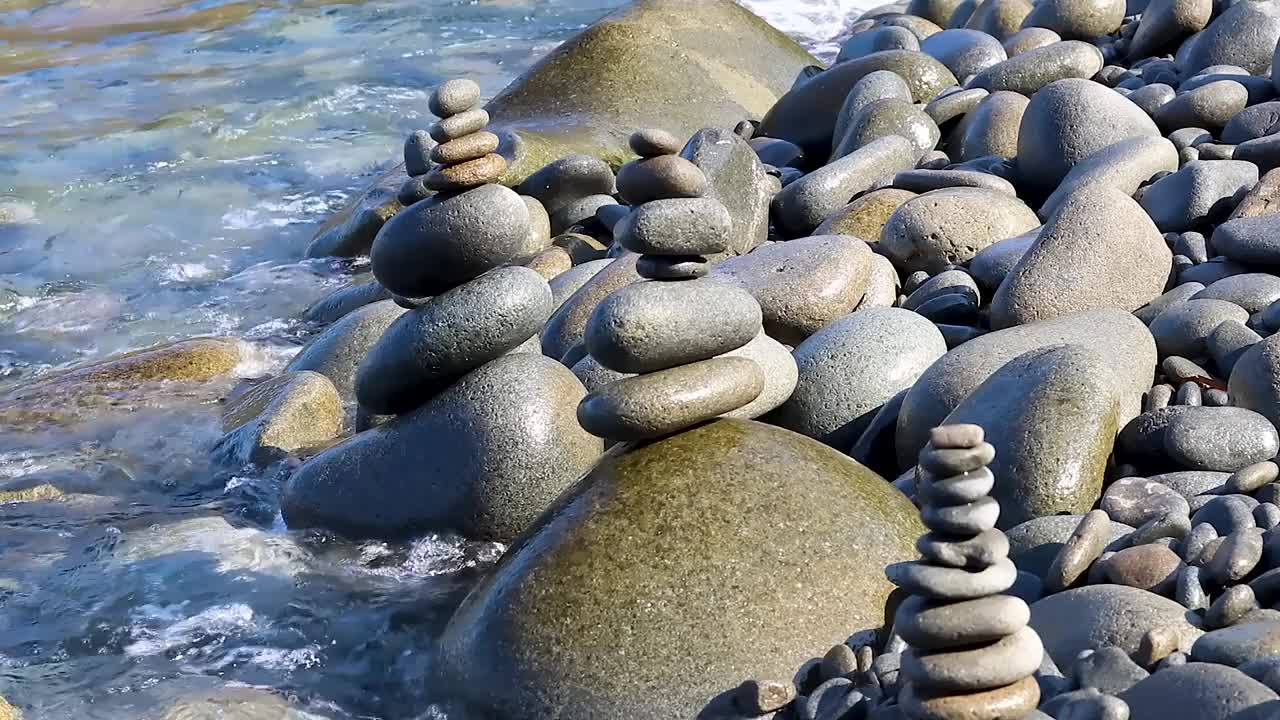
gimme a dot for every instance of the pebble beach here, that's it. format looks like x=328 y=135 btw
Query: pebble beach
x=655 y=359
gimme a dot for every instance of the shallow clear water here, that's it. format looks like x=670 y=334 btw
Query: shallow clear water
x=163 y=163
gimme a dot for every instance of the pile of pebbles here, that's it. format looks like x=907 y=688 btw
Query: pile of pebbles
x=970 y=649
x=468 y=306
x=669 y=329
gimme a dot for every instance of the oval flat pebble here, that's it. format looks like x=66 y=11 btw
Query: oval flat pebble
x=666 y=176
x=934 y=626
x=952 y=583
x=460 y=125
x=453 y=97
x=1003 y=662
x=677 y=226
x=649 y=326
x=1222 y=439
x=468 y=147
x=656 y=404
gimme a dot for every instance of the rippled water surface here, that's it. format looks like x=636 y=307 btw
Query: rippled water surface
x=163 y=163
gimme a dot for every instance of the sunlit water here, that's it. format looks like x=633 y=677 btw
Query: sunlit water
x=163 y=163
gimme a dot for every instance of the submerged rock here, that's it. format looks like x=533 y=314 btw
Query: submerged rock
x=482 y=458
x=627 y=585
x=287 y=413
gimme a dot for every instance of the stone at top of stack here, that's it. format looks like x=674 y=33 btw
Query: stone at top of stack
x=670 y=327
x=448 y=252
x=972 y=654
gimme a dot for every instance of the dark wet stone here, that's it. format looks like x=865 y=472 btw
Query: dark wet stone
x=337 y=304
x=483 y=458
x=557 y=594
x=567 y=326
x=453 y=333
x=465 y=235
x=339 y=350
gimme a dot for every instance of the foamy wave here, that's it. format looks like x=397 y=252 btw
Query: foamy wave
x=815 y=23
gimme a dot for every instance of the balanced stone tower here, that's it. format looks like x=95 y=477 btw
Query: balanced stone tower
x=447 y=252
x=972 y=655
x=670 y=327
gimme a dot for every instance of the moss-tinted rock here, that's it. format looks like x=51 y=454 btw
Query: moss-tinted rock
x=289 y=412
x=675 y=570
x=1053 y=416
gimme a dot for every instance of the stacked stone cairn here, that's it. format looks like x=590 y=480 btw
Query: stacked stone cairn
x=972 y=654
x=670 y=327
x=467 y=308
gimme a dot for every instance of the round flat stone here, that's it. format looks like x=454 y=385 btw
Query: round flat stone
x=1222 y=439
x=1134 y=501
x=1003 y=662
x=1146 y=567
x=453 y=97
x=931 y=625
x=677 y=226
x=956 y=489
x=468 y=147
x=654 y=325
x=472 y=173
x=946 y=583
x=666 y=176
x=460 y=125
x=1018 y=700
x=953 y=461
x=653 y=142
x=980 y=551
x=464 y=236
x=968 y=519
x=660 y=403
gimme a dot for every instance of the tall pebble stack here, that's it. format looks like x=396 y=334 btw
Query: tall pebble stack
x=466 y=308
x=669 y=328
x=972 y=655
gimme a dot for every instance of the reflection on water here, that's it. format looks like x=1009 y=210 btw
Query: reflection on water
x=163 y=163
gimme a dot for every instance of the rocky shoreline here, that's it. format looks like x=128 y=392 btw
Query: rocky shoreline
x=941 y=382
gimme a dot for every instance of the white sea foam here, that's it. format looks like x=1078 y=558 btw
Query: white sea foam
x=815 y=23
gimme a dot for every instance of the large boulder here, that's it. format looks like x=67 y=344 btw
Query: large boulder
x=1126 y=341
x=483 y=458
x=674 y=571
x=1095 y=616
x=636 y=68
x=1245 y=36
x=1053 y=416
x=1069 y=120
x=1099 y=250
